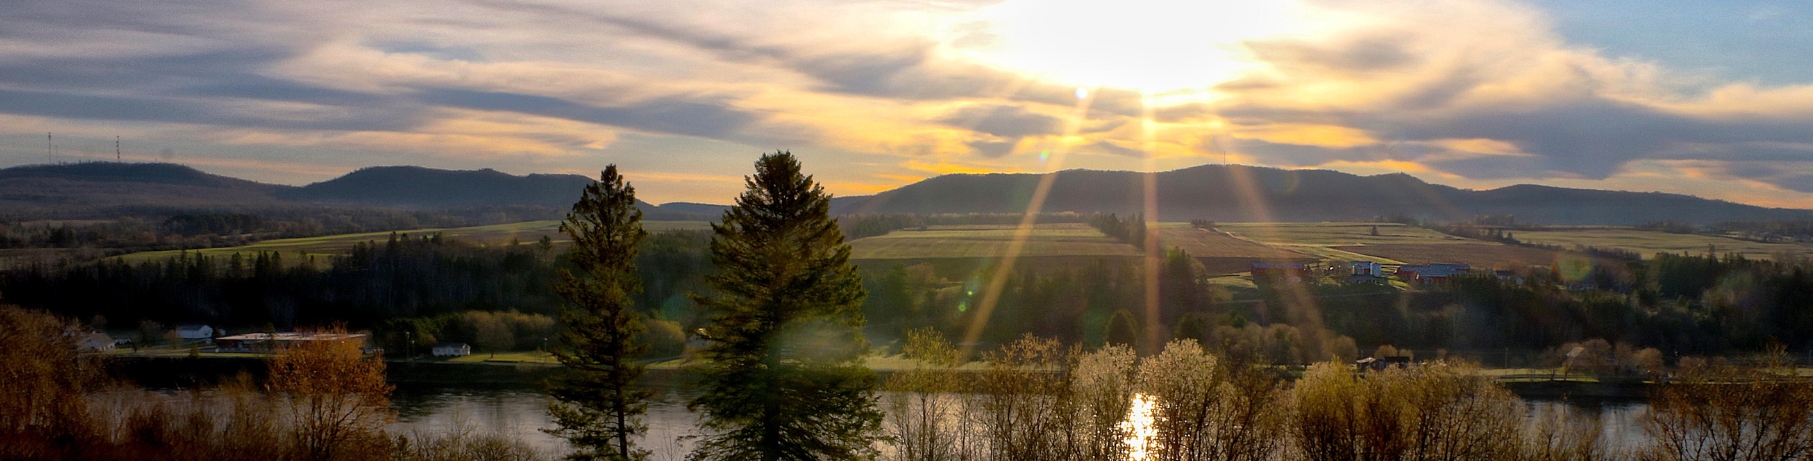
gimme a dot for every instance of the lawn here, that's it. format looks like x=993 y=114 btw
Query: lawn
x=1479 y=254
x=1069 y=239
x=1336 y=234
x=1648 y=243
x=329 y=245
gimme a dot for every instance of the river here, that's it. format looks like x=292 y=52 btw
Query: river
x=520 y=411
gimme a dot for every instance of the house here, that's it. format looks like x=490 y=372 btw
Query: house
x=195 y=332
x=1508 y=276
x=268 y=341
x=1432 y=273
x=1279 y=271
x=96 y=342
x=452 y=350
x=1383 y=363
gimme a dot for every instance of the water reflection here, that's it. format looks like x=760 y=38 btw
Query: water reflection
x=1139 y=428
x=521 y=412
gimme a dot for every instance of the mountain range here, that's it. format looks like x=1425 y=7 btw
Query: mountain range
x=1216 y=192
x=1236 y=193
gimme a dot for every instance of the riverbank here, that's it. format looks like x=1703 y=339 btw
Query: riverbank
x=181 y=371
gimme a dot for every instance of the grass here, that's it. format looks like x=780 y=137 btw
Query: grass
x=508 y=357
x=1353 y=241
x=1212 y=243
x=1336 y=234
x=1648 y=243
x=1479 y=254
x=331 y=245
x=1069 y=239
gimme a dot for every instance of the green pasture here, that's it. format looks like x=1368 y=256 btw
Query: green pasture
x=1069 y=239
x=330 y=245
x=1336 y=233
x=1648 y=243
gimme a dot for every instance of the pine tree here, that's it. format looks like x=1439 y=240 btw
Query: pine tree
x=783 y=378
x=596 y=406
x=1122 y=329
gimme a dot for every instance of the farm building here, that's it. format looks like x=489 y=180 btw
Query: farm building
x=195 y=332
x=96 y=342
x=1432 y=273
x=1279 y=271
x=452 y=350
x=266 y=341
x=1365 y=268
x=1382 y=364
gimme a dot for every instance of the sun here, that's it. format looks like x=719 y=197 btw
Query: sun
x=1153 y=46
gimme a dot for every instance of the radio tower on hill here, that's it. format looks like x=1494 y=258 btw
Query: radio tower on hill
x=116 y=148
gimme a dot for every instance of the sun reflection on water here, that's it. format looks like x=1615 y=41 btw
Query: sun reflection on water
x=1138 y=427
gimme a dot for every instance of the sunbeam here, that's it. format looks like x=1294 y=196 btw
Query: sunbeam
x=998 y=280
x=1149 y=143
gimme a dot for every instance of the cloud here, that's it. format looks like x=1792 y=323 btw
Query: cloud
x=1478 y=91
x=1003 y=121
x=992 y=149
x=711 y=119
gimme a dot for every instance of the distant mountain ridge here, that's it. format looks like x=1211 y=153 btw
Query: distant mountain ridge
x=418 y=187
x=1234 y=193
x=110 y=189
x=1215 y=192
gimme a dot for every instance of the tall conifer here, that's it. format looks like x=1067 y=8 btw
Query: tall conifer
x=784 y=378
x=596 y=406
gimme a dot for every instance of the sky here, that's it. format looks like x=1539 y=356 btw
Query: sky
x=1713 y=99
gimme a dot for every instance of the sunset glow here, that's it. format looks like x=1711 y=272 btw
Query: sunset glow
x=1469 y=93
x=1147 y=45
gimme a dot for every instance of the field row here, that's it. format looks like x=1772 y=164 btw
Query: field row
x=1227 y=248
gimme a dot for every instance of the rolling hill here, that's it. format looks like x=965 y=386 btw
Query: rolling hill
x=1226 y=193
x=1235 y=193
x=110 y=189
x=107 y=189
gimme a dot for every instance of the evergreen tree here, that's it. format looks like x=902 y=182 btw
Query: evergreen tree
x=597 y=408
x=783 y=378
x=1122 y=329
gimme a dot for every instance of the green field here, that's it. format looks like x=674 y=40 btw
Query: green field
x=1341 y=241
x=1336 y=234
x=1069 y=239
x=1648 y=243
x=328 y=245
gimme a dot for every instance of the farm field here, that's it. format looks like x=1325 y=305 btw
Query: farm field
x=1337 y=234
x=1648 y=243
x=1218 y=252
x=1345 y=241
x=989 y=241
x=328 y=245
x=1480 y=255
x=962 y=251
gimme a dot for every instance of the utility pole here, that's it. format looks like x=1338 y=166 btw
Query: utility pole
x=49 y=147
x=116 y=148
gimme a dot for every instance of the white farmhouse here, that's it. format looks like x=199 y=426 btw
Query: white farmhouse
x=452 y=350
